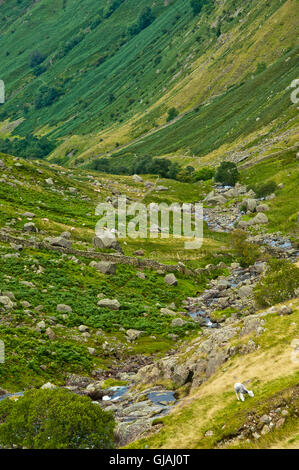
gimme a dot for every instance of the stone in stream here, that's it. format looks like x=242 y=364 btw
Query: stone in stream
x=94 y=391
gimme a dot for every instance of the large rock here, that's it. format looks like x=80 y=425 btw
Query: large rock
x=6 y=302
x=127 y=432
x=167 y=311
x=216 y=199
x=64 y=308
x=262 y=208
x=106 y=267
x=245 y=291
x=41 y=325
x=48 y=386
x=133 y=334
x=137 y=179
x=170 y=279
x=259 y=219
x=59 y=241
x=178 y=322
x=106 y=240
x=94 y=391
x=112 y=304
x=250 y=204
x=30 y=227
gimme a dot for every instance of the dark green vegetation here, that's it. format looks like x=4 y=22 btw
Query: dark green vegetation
x=278 y=285
x=227 y=174
x=246 y=253
x=55 y=419
x=29 y=147
x=227 y=117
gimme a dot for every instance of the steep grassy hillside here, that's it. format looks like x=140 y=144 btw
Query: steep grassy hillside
x=95 y=84
x=211 y=417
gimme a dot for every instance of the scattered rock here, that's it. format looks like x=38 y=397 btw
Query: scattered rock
x=64 y=308
x=137 y=179
x=41 y=325
x=94 y=391
x=285 y=310
x=244 y=291
x=259 y=219
x=178 y=322
x=48 y=386
x=106 y=267
x=167 y=311
x=138 y=253
x=265 y=430
x=250 y=204
x=50 y=333
x=262 y=208
x=112 y=304
x=6 y=302
x=171 y=280
x=30 y=227
x=133 y=334
x=280 y=423
x=83 y=328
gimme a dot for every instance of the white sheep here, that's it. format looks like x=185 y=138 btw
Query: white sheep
x=241 y=390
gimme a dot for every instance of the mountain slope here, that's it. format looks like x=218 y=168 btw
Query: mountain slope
x=112 y=86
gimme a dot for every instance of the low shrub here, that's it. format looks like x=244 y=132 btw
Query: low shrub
x=278 y=285
x=264 y=189
x=204 y=174
x=55 y=419
x=247 y=253
x=227 y=174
